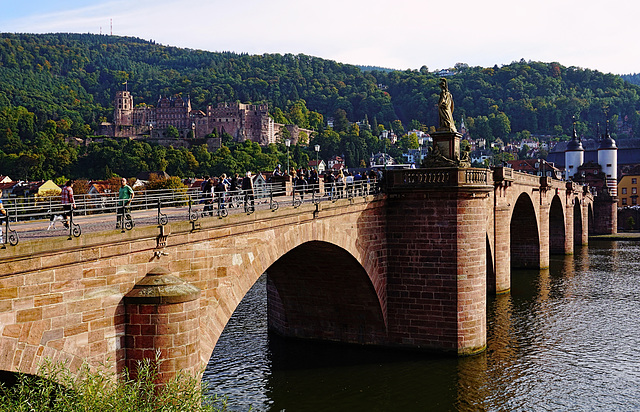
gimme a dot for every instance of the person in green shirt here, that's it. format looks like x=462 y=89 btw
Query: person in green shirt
x=125 y=197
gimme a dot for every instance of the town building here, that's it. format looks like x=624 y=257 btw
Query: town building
x=628 y=190
x=538 y=167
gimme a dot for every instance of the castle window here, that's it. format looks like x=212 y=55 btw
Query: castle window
x=634 y=181
x=634 y=190
x=624 y=190
x=624 y=200
x=634 y=201
x=609 y=165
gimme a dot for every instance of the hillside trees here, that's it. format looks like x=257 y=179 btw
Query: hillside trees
x=57 y=87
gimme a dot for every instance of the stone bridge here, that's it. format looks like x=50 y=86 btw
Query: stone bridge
x=410 y=268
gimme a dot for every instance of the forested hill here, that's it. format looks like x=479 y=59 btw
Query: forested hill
x=75 y=76
x=632 y=78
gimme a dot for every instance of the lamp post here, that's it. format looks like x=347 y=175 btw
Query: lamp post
x=420 y=143
x=193 y=130
x=150 y=129
x=287 y=143
x=317 y=149
x=385 y=133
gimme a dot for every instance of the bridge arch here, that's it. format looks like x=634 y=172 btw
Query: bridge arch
x=320 y=291
x=577 y=222
x=525 y=237
x=557 y=234
x=325 y=279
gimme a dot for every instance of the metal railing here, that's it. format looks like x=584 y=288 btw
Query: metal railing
x=25 y=214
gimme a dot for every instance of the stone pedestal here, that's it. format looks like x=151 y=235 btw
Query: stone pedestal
x=162 y=318
x=448 y=143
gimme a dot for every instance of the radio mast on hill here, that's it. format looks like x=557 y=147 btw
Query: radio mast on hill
x=111 y=24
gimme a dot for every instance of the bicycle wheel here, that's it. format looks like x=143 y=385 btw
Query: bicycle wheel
x=13 y=238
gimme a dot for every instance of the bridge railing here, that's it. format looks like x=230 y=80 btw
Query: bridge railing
x=438 y=177
x=27 y=214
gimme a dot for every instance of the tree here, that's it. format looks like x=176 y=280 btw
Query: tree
x=500 y=125
x=340 y=121
x=157 y=182
x=172 y=132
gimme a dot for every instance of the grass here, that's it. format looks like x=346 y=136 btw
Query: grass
x=58 y=389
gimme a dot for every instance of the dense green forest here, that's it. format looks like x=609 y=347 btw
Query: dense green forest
x=56 y=86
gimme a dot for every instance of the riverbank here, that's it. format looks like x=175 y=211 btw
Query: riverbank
x=617 y=236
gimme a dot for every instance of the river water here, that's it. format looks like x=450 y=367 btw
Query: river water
x=563 y=339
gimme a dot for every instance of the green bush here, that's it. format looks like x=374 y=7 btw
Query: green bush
x=631 y=223
x=57 y=389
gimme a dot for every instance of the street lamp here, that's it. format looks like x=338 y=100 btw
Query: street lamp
x=150 y=129
x=317 y=148
x=420 y=143
x=287 y=143
x=193 y=130
x=385 y=133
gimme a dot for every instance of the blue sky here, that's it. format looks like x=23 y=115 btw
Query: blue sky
x=399 y=34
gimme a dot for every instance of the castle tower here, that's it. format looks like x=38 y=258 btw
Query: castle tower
x=574 y=155
x=123 y=112
x=608 y=155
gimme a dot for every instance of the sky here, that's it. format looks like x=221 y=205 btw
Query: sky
x=397 y=34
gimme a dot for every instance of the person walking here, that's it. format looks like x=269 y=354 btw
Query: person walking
x=220 y=190
x=301 y=186
x=247 y=188
x=3 y=218
x=125 y=197
x=68 y=202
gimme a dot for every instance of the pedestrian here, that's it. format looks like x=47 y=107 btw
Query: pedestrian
x=68 y=202
x=348 y=180
x=301 y=186
x=247 y=188
x=125 y=197
x=313 y=181
x=219 y=192
x=340 y=184
x=233 y=189
x=357 y=182
x=329 y=184
x=3 y=218
x=207 y=195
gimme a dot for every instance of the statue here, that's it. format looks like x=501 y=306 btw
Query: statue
x=445 y=109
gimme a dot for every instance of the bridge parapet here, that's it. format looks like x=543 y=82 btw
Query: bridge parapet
x=438 y=177
x=527 y=179
x=503 y=175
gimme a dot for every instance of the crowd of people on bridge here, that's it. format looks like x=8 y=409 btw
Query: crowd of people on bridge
x=230 y=191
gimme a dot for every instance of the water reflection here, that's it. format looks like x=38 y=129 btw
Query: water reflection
x=563 y=338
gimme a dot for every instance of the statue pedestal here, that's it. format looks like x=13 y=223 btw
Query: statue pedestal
x=448 y=143
x=446 y=151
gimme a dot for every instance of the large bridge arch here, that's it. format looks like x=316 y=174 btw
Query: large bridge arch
x=525 y=234
x=346 y=248
x=320 y=291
